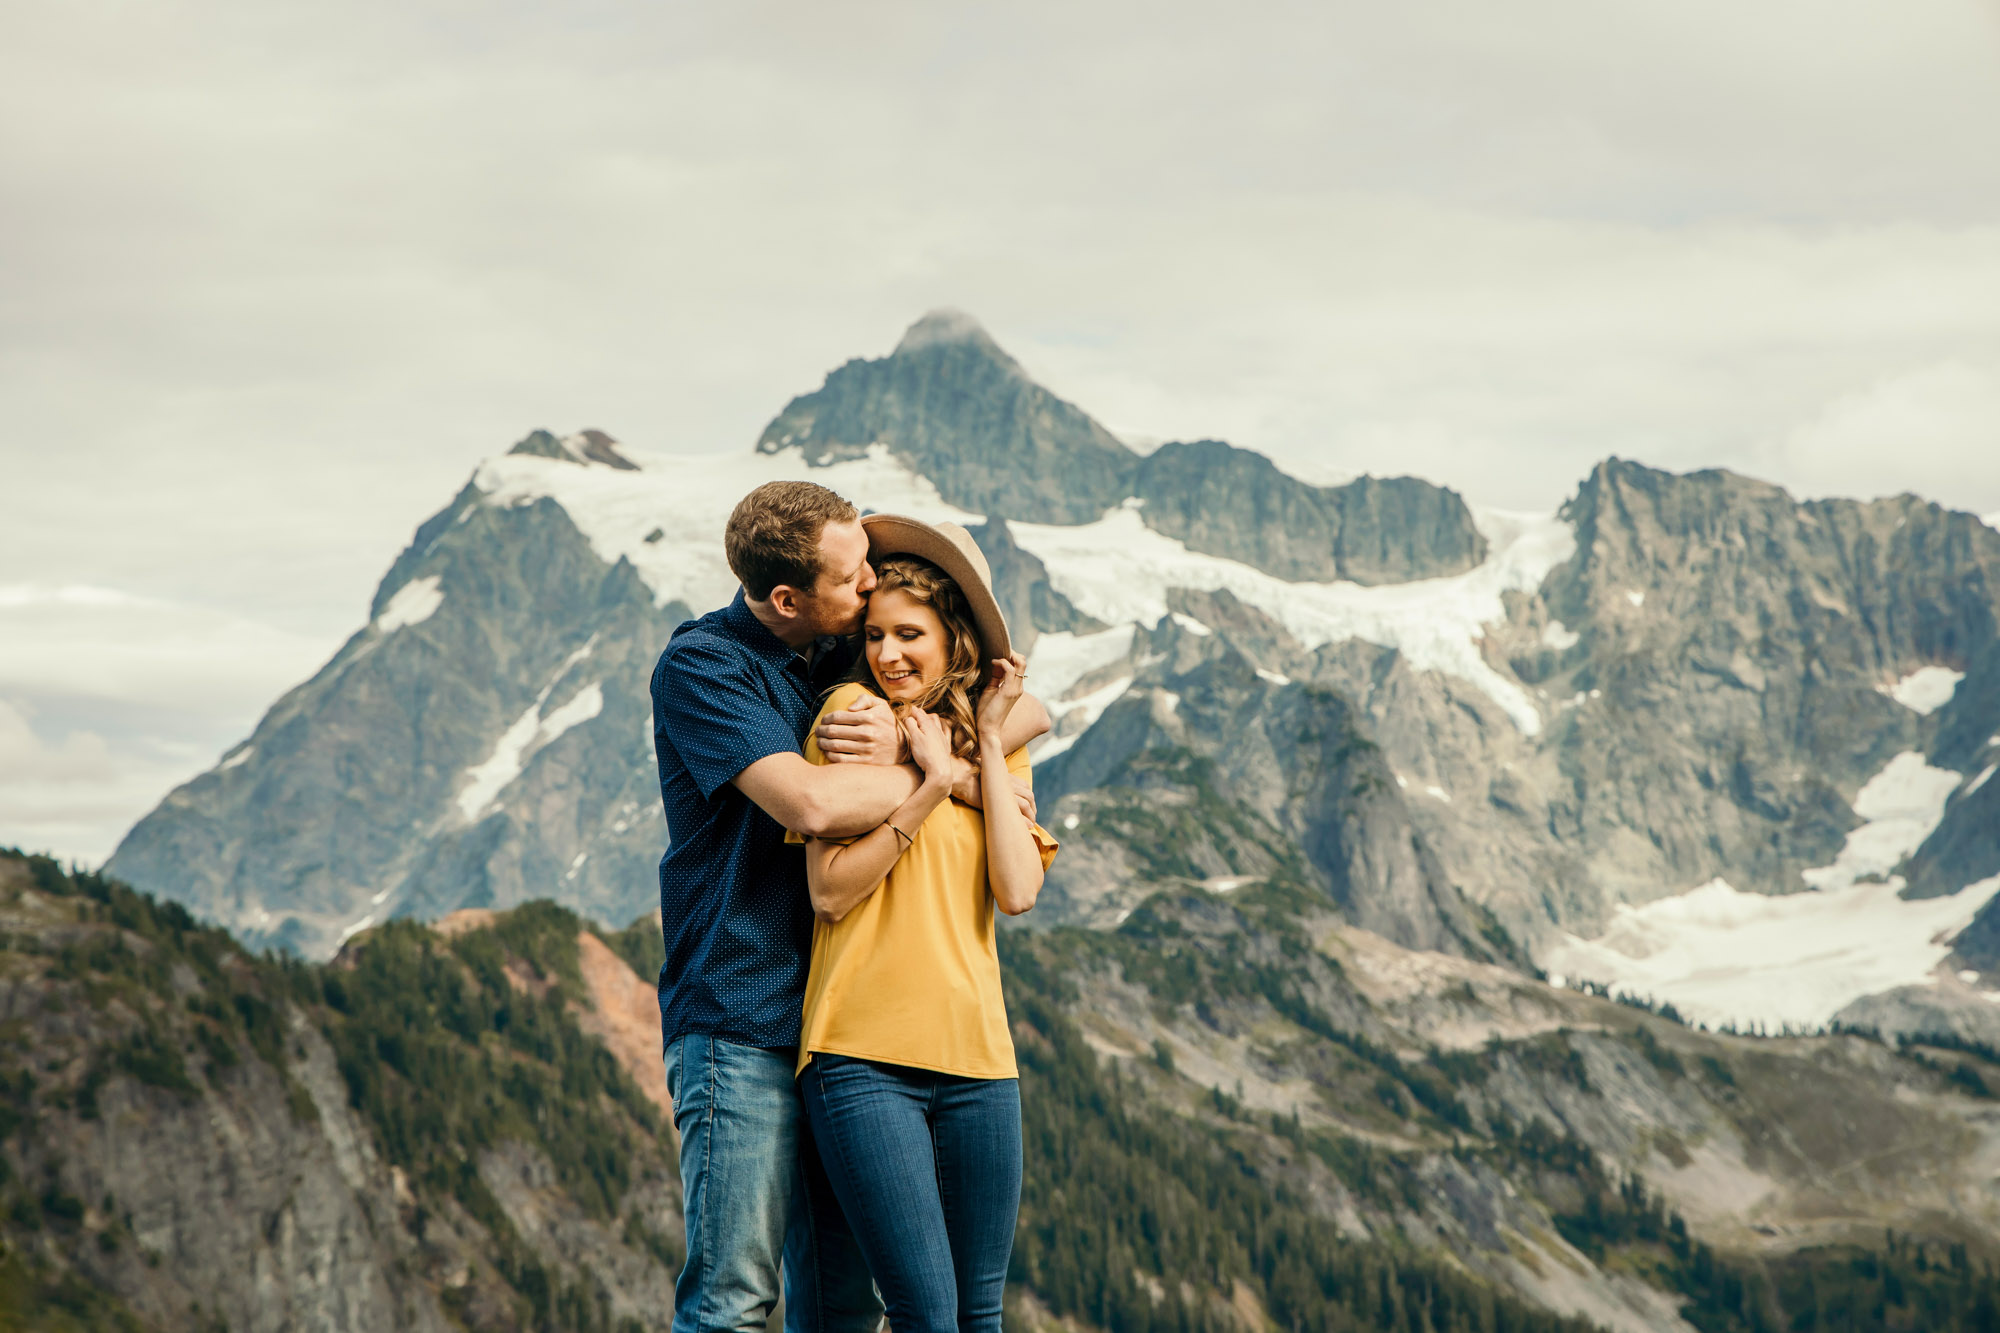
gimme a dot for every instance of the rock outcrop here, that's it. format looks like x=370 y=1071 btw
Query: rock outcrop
x=1231 y=502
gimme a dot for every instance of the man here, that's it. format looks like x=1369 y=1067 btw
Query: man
x=734 y=695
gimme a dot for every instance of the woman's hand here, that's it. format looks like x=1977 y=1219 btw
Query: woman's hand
x=930 y=745
x=996 y=701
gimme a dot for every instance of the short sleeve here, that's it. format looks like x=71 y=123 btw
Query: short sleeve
x=716 y=713
x=1045 y=843
x=839 y=698
x=1020 y=767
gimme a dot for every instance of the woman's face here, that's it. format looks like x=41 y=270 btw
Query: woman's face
x=906 y=647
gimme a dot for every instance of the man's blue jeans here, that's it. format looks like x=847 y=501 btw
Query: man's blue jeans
x=749 y=1179
x=927 y=1168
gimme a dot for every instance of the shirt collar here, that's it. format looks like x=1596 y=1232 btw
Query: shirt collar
x=757 y=636
x=754 y=633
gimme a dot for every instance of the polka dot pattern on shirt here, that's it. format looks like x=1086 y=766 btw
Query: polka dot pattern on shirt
x=734 y=910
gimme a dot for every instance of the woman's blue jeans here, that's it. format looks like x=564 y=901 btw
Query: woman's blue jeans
x=927 y=1168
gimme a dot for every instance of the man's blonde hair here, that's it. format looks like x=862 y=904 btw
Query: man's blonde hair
x=773 y=535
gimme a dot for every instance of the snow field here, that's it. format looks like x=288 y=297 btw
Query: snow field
x=1902 y=804
x=1119 y=570
x=530 y=733
x=1926 y=689
x=1723 y=956
x=1059 y=662
x=667 y=518
x=412 y=604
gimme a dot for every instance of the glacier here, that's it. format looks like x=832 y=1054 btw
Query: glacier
x=1722 y=956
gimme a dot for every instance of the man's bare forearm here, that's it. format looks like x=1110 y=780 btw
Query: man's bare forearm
x=854 y=798
x=1027 y=721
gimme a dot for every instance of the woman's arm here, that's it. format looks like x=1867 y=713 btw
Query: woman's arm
x=839 y=877
x=1013 y=862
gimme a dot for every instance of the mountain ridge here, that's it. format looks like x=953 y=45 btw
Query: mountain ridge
x=1680 y=680
x=963 y=413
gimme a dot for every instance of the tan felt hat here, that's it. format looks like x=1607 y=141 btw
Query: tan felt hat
x=950 y=548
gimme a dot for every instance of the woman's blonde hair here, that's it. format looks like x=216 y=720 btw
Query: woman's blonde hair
x=954 y=694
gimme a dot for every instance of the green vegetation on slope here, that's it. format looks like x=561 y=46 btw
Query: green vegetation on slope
x=1141 y=1185
x=1143 y=1221
x=1139 y=1215
x=447 y=1047
x=1138 y=1221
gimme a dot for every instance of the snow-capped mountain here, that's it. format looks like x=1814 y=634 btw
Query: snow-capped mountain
x=1688 y=735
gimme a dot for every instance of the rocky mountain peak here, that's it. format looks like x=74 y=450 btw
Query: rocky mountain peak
x=587 y=446
x=947 y=327
x=957 y=409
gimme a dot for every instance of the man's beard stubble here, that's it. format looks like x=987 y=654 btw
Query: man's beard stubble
x=825 y=624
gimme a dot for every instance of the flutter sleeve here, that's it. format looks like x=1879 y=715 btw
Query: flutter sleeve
x=1045 y=842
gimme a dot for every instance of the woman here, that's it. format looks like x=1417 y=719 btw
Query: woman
x=906 y=1063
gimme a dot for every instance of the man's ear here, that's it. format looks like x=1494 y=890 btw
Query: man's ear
x=785 y=599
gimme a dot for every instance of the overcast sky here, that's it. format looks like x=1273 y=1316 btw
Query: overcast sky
x=278 y=275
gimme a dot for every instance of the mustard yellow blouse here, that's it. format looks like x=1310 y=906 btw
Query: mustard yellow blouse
x=910 y=976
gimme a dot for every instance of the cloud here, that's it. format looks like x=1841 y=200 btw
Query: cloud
x=1934 y=430
x=280 y=275
x=75 y=793
x=26 y=759
x=78 y=642
x=108 y=700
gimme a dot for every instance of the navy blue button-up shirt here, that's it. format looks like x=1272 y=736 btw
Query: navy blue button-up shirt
x=733 y=903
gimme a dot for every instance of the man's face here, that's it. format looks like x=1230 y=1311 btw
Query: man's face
x=840 y=598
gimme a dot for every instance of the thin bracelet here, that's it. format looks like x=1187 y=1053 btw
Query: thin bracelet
x=906 y=837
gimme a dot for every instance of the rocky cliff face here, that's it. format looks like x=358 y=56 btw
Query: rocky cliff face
x=480 y=742
x=191 y=1137
x=1717 y=664
x=1742 y=641
x=1231 y=502
x=1212 y=769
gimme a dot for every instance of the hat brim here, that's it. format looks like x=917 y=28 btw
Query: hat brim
x=893 y=534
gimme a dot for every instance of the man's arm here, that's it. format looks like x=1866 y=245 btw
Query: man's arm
x=827 y=801
x=865 y=733
x=1028 y=720
x=721 y=723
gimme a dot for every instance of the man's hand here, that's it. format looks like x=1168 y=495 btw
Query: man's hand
x=965 y=786
x=865 y=732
